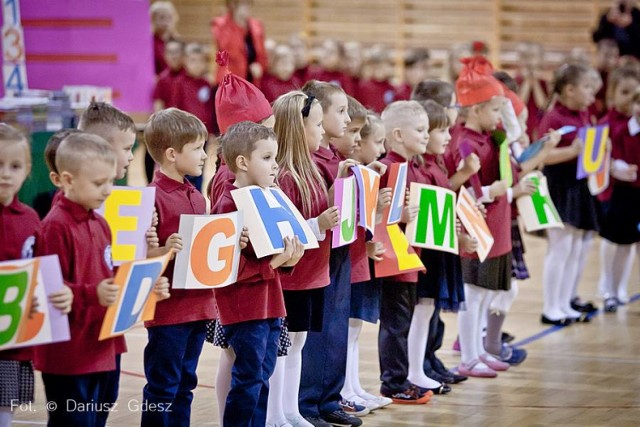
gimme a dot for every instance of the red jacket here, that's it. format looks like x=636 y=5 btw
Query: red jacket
x=229 y=36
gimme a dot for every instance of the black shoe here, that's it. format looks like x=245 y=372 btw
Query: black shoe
x=446 y=376
x=611 y=305
x=458 y=378
x=339 y=418
x=507 y=337
x=445 y=379
x=560 y=322
x=583 y=307
x=443 y=389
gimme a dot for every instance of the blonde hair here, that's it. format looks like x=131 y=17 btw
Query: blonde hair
x=400 y=113
x=83 y=148
x=172 y=128
x=293 y=155
x=10 y=135
x=373 y=121
x=163 y=6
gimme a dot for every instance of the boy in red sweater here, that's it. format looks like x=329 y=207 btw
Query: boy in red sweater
x=250 y=310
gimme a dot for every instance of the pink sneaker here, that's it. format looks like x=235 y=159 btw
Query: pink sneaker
x=493 y=363
x=456 y=344
x=473 y=370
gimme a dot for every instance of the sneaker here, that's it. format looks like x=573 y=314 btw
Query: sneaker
x=317 y=422
x=380 y=401
x=511 y=355
x=411 y=396
x=493 y=363
x=299 y=421
x=473 y=370
x=339 y=418
x=353 y=408
x=611 y=305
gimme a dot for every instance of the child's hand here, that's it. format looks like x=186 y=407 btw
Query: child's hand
x=377 y=166
x=161 y=288
x=384 y=198
x=482 y=209
x=62 y=300
x=174 y=242
x=471 y=165
x=328 y=219
x=467 y=243
x=458 y=227
x=107 y=292
x=154 y=218
x=497 y=189
x=279 y=259
x=152 y=238
x=409 y=213
x=345 y=166
x=298 y=251
x=34 y=306
x=244 y=238
x=375 y=250
x=526 y=187
x=553 y=139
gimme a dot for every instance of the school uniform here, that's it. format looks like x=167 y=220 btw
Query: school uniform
x=159 y=63
x=249 y=312
x=398 y=299
x=176 y=334
x=167 y=87
x=222 y=176
x=536 y=113
x=83 y=369
x=403 y=92
x=273 y=87
x=365 y=288
x=324 y=357
x=621 y=223
x=495 y=272
x=376 y=94
x=18 y=224
x=571 y=197
x=304 y=289
x=337 y=77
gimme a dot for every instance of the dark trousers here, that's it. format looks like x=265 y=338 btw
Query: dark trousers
x=170 y=361
x=324 y=357
x=397 y=302
x=434 y=343
x=255 y=344
x=81 y=400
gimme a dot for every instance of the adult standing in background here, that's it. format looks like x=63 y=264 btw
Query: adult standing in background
x=621 y=23
x=243 y=37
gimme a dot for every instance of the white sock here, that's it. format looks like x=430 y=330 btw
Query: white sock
x=351 y=375
x=469 y=324
x=560 y=242
x=417 y=343
x=585 y=246
x=624 y=262
x=503 y=300
x=292 y=373
x=6 y=415
x=223 y=379
x=570 y=274
x=487 y=297
x=608 y=252
x=275 y=409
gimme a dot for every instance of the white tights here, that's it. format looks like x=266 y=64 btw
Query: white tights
x=470 y=323
x=417 y=343
x=284 y=384
x=616 y=262
x=561 y=270
x=223 y=379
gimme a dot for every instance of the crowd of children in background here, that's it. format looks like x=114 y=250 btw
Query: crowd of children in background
x=289 y=328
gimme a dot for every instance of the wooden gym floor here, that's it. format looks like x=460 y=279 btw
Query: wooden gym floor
x=585 y=374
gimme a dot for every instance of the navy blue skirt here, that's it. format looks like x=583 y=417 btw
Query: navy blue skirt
x=574 y=202
x=621 y=223
x=443 y=281
x=365 y=300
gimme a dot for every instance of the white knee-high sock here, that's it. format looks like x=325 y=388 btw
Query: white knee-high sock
x=608 y=252
x=570 y=274
x=469 y=324
x=223 y=379
x=621 y=280
x=417 y=343
x=485 y=302
x=275 y=409
x=585 y=246
x=351 y=376
x=292 y=373
x=560 y=242
x=503 y=300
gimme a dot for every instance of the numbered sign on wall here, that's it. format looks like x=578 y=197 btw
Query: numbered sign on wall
x=14 y=69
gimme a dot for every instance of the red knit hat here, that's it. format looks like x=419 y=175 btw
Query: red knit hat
x=476 y=83
x=238 y=100
x=517 y=103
